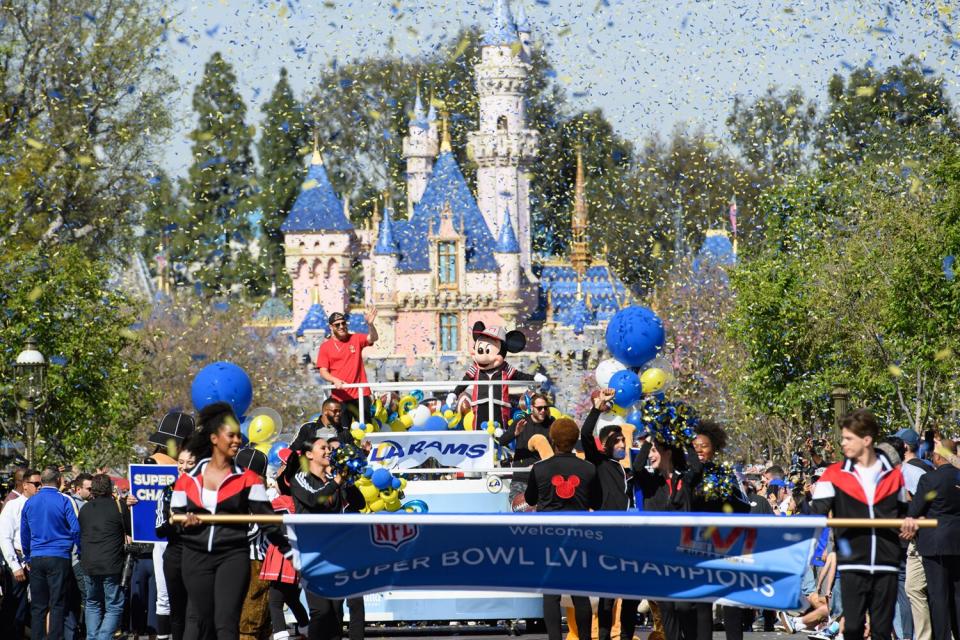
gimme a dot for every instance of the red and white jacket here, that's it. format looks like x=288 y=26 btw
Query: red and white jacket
x=241 y=492
x=840 y=490
x=277 y=566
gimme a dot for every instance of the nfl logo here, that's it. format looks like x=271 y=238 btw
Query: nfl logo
x=393 y=535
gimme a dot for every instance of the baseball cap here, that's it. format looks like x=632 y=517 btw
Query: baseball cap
x=336 y=316
x=175 y=426
x=777 y=482
x=250 y=458
x=910 y=437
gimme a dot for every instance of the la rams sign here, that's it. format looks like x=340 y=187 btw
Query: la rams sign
x=465 y=450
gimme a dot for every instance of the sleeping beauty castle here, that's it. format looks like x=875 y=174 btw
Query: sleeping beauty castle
x=459 y=256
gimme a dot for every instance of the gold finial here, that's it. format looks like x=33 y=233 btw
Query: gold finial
x=315 y=295
x=445 y=135
x=317 y=158
x=579 y=249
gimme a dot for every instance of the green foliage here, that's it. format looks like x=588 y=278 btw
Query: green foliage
x=213 y=239
x=283 y=142
x=774 y=131
x=162 y=211
x=83 y=102
x=96 y=394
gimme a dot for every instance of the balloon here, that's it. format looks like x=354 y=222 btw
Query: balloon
x=398 y=425
x=468 y=421
x=435 y=423
x=608 y=418
x=415 y=506
x=406 y=420
x=261 y=429
x=381 y=479
x=222 y=382
x=653 y=380
x=634 y=336
x=245 y=428
x=618 y=410
x=605 y=371
x=626 y=384
x=555 y=413
x=273 y=455
x=635 y=417
x=263 y=447
x=420 y=415
x=407 y=404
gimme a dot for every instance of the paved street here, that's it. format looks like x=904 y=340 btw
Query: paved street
x=488 y=633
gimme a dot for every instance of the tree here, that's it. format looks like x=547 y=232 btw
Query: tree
x=875 y=114
x=83 y=102
x=96 y=394
x=850 y=288
x=213 y=240
x=162 y=212
x=283 y=142
x=774 y=132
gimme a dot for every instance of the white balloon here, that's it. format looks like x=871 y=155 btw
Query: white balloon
x=420 y=415
x=607 y=418
x=605 y=371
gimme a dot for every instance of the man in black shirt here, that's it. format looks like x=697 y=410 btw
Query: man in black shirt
x=538 y=422
x=102 y=534
x=564 y=482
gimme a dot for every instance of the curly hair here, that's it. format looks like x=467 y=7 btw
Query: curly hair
x=713 y=432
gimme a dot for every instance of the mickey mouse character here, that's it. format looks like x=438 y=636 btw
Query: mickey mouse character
x=490 y=348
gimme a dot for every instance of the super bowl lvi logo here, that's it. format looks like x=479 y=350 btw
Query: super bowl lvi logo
x=393 y=535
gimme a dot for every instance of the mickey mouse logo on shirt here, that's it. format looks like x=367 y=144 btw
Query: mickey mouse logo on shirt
x=565 y=487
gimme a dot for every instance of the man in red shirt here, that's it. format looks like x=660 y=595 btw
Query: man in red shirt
x=340 y=362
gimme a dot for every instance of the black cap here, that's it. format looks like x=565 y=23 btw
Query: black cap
x=175 y=426
x=336 y=316
x=250 y=458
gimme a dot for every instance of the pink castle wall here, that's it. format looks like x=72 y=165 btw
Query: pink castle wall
x=416 y=334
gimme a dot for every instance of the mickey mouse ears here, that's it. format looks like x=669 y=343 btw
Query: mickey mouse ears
x=514 y=340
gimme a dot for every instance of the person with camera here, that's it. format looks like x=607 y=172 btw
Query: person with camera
x=49 y=530
x=14 y=609
x=216 y=557
x=102 y=535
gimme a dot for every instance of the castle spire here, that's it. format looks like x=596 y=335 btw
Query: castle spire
x=386 y=245
x=445 y=135
x=579 y=250
x=317 y=158
x=419 y=115
x=501 y=30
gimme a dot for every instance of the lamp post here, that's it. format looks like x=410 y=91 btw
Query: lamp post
x=841 y=405
x=31 y=372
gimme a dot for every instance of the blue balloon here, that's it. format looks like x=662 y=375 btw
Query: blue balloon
x=415 y=506
x=245 y=428
x=634 y=336
x=635 y=418
x=273 y=456
x=222 y=382
x=382 y=479
x=627 y=386
x=435 y=423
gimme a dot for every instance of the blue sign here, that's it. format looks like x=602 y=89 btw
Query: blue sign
x=147 y=482
x=752 y=561
x=465 y=450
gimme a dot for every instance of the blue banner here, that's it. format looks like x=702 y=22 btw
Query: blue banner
x=754 y=561
x=147 y=482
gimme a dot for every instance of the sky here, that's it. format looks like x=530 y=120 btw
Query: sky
x=649 y=64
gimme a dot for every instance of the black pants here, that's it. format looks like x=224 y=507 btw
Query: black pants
x=628 y=618
x=14 y=607
x=326 y=622
x=943 y=579
x=605 y=617
x=347 y=416
x=358 y=617
x=216 y=586
x=733 y=623
x=863 y=593
x=679 y=620
x=177 y=593
x=49 y=578
x=284 y=593
x=552 y=618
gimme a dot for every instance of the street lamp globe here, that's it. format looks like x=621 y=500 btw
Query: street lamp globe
x=30 y=369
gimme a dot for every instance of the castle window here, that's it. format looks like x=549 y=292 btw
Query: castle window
x=448 y=332
x=447 y=263
x=502 y=123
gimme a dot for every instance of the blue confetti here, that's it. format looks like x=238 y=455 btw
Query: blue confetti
x=947 y=267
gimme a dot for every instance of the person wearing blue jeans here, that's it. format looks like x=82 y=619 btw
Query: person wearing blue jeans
x=102 y=535
x=49 y=531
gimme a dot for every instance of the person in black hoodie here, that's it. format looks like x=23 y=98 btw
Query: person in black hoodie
x=665 y=474
x=102 y=535
x=614 y=489
x=710 y=440
x=538 y=422
x=564 y=482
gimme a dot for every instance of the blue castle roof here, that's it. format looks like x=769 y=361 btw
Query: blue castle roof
x=419 y=115
x=273 y=311
x=317 y=208
x=595 y=298
x=717 y=249
x=446 y=185
x=501 y=30
x=315 y=320
x=507 y=242
x=386 y=245
x=523 y=23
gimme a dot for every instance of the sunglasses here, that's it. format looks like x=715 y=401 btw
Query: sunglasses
x=36 y=484
x=541 y=407
x=339 y=324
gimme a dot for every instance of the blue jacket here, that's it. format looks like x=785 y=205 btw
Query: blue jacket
x=49 y=525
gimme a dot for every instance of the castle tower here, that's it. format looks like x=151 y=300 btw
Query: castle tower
x=504 y=147
x=319 y=243
x=384 y=285
x=523 y=31
x=507 y=255
x=579 y=249
x=419 y=149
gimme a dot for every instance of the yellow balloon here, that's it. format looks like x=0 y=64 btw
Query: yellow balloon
x=555 y=413
x=468 y=421
x=262 y=428
x=397 y=425
x=263 y=447
x=406 y=405
x=617 y=409
x=654 y=380
x=406 y=420
x=358 y=434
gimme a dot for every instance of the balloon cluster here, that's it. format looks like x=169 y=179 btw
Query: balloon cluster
x=381 y=490
x=719 y=480
x=350 y=459
x=669 y=423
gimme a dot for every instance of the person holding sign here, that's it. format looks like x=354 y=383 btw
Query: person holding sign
x=218 y=555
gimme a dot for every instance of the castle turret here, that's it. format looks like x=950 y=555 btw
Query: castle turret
x=419 y=149
x=523 y=31
x=319 y=243
x=579 y=249
x=384 y=258
x=507 y=254
x=504 y=147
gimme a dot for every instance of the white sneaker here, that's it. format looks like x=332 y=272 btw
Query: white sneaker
x=786 y=622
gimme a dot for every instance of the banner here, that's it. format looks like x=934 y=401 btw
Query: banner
x=147 y=482
x=752 y=561
x=465 y=450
